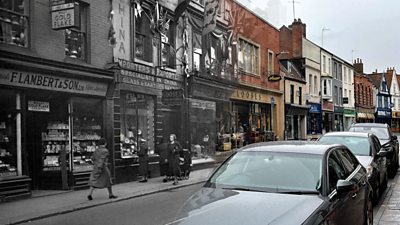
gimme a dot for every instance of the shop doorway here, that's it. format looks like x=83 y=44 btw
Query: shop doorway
x=45 y=111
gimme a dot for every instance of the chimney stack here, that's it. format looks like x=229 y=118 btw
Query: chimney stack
x=358 y=66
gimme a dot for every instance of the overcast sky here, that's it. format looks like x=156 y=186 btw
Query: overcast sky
x=366 y=29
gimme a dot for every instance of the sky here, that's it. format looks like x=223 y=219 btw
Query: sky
x=350 y=29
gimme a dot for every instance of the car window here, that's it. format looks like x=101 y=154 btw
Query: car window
x=335 y=171
x=357 y=145
x=350 y=163
x=270 y=171
x=376 y=144
x=380 y=132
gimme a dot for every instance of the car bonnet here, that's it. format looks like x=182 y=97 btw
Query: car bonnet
x=218 y=206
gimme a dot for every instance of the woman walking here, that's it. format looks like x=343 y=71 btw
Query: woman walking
x=174 y=149
x=100 y=176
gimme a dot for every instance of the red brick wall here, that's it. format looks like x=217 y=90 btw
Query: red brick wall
x=363 y=91
x=260 y=33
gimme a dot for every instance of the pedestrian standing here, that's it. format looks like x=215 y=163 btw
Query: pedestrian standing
x=162 y=151
x=143 y=157
x=100 y=176
x=174 y=149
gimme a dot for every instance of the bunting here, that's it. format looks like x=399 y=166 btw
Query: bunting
x=210 y=16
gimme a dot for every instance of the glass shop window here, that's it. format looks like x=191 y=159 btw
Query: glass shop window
x=137 y=122
x=8 y=146
x=14 y=22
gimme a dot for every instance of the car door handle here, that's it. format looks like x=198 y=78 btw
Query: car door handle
x=354 y=196
x=363 y=183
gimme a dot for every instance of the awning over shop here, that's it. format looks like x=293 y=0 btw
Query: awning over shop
x=370 y=116
x=362 y=115
x=365 y=115
x=294 y=109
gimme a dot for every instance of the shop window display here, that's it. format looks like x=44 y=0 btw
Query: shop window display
x=7 y=146
x=137 y=112
x=55 y=140
x=8 y=150
x=87 y=130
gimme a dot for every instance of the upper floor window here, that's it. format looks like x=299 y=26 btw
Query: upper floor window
x=315 y=85
x=345 y=74
x=76 y=38
x=197 y=51
x=270 y=61
x=143 y=48
x=167 y=47
x=324 y=64
x=335 y=70
x=14 y=22
x=310 y=86
x=300 y=95
x=248 y=57
x=292 y=93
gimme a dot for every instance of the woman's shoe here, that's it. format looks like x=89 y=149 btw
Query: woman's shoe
x=89 y=197
x=112 y=196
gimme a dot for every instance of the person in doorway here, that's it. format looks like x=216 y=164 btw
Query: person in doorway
x=143 y=157
x=174 y=149
x=162 y=151
x=100 y=176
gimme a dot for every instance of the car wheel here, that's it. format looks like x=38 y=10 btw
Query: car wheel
x=369 y=214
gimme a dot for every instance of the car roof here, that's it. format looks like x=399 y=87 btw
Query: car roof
x=369 y=125
x=304 y=147
x=348 y=133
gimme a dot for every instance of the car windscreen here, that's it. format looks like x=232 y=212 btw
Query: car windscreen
x=380 y=132
x=357 y=145
x=271 y=172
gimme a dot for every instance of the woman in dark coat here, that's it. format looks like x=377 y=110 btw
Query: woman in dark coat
x=100 y=176
x=162 y=151
x=174 y=149
x=143 y=159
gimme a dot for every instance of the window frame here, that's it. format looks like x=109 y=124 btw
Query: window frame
x=83 y=31
x=254 y=56
x=26 y=31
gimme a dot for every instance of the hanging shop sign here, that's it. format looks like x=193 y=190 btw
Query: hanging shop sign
x=172 y=97
x=52 y=83
x=65 y=16
x=274 y=77
x=38 y=106
x=201 y=104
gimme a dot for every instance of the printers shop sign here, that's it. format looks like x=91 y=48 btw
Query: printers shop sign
x=53 y=83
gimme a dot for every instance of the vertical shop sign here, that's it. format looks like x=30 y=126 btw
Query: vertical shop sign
x=121 y=23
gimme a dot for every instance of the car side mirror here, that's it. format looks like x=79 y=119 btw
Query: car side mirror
x=344 y=186
x=382 y=153
x=394 y=137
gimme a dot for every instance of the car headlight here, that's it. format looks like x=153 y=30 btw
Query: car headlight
x=370 y=169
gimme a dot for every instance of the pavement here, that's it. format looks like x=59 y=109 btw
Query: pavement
x=44 y=204
x=389 y=211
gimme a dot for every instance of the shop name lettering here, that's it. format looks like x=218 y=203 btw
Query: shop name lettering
x=44 y=81
x=248 y=95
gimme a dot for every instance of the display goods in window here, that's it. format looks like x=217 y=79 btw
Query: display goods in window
x=7 y=159
x=87 y=131
x=54 y=140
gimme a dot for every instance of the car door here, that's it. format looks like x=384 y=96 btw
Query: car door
x=380 y=162
x=345 y=207
x=354 y=171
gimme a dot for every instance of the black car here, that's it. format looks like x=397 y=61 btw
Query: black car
x=367 y=149
x=387 y=139
x=284 y=183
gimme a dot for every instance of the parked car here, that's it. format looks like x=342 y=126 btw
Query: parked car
x=284 y=183
x=367 y=148
x=387 y=139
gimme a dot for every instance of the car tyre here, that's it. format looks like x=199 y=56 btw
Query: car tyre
x=369 y=214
